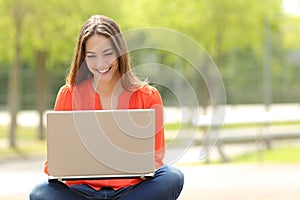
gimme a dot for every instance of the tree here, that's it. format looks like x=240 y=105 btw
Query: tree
x=221 y=27
x=18 y=11
x=42 y=35
x=51 y=39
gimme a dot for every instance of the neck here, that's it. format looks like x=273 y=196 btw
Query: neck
x=107 y=89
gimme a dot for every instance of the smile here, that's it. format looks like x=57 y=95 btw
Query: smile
x=103 y=71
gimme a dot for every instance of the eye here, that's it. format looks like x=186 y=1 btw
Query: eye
x=108 y=53
x=91 y=56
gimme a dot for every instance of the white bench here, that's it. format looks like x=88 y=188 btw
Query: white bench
x=264 y=123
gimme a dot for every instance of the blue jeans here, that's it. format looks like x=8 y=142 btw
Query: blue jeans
x=166 y=184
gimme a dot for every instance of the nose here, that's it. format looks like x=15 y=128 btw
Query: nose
x=101 y=63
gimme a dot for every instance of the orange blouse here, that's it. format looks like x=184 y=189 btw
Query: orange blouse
x=84 y=97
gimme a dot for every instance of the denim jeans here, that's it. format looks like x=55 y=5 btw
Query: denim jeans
x=166 y=184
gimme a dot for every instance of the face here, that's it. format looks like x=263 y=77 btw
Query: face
x=102 y=59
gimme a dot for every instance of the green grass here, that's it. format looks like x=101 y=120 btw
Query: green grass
x=255 y=124
x=286 y=154
x=177 y=126
x=27 y=144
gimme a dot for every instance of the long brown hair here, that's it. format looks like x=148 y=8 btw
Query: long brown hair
x=99 y=24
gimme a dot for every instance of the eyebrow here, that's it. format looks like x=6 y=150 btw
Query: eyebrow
x=104 y=51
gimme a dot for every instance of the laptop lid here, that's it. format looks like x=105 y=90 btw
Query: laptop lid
x=101 y=143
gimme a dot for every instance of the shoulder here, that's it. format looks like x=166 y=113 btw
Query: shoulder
x=148 y=91
x=65 y=89
x=64 y=98
x=147 y=95
x=68 y=89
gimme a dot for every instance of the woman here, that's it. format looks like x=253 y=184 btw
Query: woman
x=100 y=78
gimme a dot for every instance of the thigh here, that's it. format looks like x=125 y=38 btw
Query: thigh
x=166 y=184
x=57 y=190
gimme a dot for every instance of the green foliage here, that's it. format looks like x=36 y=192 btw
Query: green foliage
x=287 y=154
x=291 y=31
x=5 y=36
x=232 y=32
x=283 y=155
x=28 y=145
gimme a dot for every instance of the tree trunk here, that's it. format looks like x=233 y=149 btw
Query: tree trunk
x=14 y=80
x=41 y=89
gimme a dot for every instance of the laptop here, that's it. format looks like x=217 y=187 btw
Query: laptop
x=101 y=144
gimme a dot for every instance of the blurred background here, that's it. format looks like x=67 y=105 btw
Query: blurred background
x=254 y=44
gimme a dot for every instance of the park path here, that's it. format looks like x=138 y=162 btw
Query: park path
x=206 y=182
x=257 y=181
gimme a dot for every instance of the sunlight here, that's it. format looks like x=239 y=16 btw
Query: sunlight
x=291 y=7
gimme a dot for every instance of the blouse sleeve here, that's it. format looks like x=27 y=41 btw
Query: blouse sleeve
x=154 y=101
x=64 y=99
x=63 y=103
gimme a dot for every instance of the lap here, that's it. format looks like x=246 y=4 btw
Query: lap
x=54 y=189
x=167 y=183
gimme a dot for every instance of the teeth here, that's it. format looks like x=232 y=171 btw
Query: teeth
x=103 y=70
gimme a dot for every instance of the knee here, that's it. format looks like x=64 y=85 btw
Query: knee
x=177 y=176
x=37 y=192
x=173 y=175
x=34 y=194
x=171 y=181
